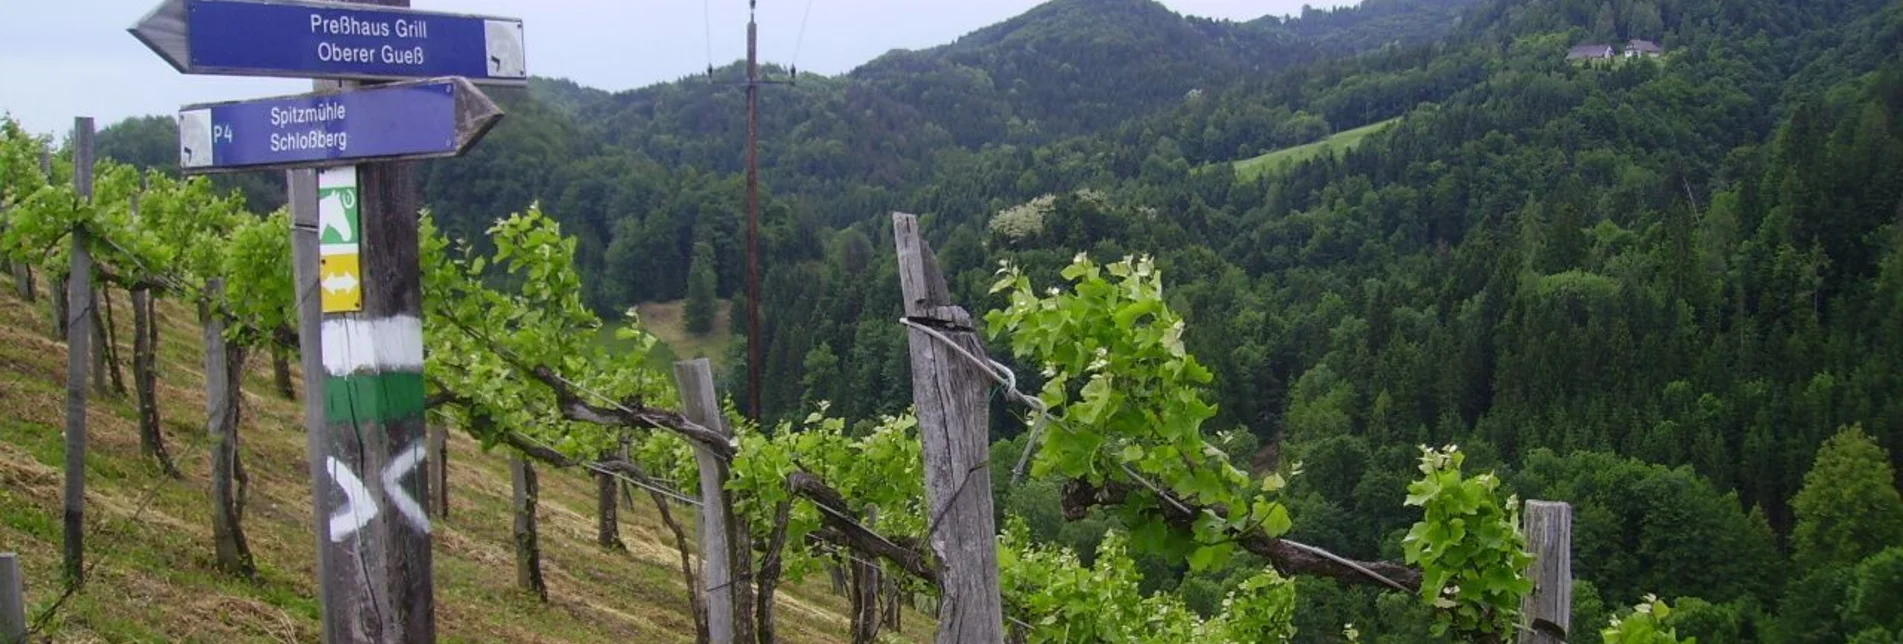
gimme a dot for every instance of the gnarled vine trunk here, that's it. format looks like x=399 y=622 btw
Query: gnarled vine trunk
x=58 y=299
x=528 y=553
x=770 y=574
x=145 y=380
x=104 y=367
x=894 y=602
x=607 y=514
x=23 y=281
x=281 y=368
x=224 y=366
x=111 y=341
x=866 y=585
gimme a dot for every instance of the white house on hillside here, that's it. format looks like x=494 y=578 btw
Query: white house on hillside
x=1591 y=52
x=1635 y=48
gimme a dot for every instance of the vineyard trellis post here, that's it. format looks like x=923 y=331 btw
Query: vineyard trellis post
x=725 y=547
x=1546 y=613
x=438 y=464
x=12 y=599
x=78 y=348
x=949 y=392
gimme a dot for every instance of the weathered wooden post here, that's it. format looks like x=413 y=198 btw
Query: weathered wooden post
x=78 y=347
x=438 y=464
x=528 y=550
x=949 y=392
x=301 y=195
x=1547 y=612
x=12 y=599
x=726 y=552
x=222 y=395
x=373 y=404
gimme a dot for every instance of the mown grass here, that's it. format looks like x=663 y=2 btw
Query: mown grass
x=149 y=540
x=1249 y=169
x=667 y=321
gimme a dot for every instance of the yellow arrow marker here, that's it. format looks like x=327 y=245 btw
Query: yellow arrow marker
x=340 y=283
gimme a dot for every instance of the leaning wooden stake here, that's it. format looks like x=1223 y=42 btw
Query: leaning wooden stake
x=1546 y=613
x=222 y=395
x=726 y=554
x=78 y=350
x=949 y=392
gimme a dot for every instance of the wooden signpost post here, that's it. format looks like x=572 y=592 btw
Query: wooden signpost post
x=355 y=246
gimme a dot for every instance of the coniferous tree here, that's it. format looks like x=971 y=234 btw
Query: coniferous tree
x=700 y=291
x=1848 y=508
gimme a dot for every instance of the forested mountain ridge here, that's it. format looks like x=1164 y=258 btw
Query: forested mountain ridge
x=1653 y=288
x=835 y=148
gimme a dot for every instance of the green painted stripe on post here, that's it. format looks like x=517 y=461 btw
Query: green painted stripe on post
x=373 y=397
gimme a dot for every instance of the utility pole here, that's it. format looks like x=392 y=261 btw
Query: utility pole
x=755 y=341
x=753 y=214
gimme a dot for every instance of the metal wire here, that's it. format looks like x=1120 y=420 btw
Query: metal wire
x=1008 y=381
x=597 y=468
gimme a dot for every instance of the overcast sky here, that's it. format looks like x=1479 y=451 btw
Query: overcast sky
x=66 y=58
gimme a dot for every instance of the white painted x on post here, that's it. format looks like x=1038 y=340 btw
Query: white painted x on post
x=360 y=506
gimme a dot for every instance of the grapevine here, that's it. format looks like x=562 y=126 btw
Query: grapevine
x=1127 y=403
x=1472 y=554
x=1646 y=624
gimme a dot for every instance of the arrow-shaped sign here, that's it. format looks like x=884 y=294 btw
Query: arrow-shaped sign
x=314 y=39
x=393 y=475
x=340 y=283
x=415 y=120
x=359 y=506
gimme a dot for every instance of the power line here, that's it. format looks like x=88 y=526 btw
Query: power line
x=799 y=44
x=707 y=19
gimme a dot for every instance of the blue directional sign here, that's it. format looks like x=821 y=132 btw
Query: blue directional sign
x=412 y=120
x=311 y=39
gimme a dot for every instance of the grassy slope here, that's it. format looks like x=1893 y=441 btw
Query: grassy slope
x=150 y=538
x=667 y=321
x=1248 y=169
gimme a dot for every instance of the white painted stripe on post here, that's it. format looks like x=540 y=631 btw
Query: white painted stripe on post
x=389 y=344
